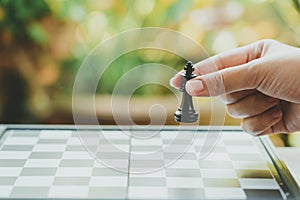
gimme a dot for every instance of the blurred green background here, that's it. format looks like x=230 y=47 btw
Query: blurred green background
x=43 y=43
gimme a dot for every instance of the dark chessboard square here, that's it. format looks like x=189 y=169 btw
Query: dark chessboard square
x=186 y=193
x=12 y=162
x=249 y=173
x=147 y=181
x=71 y=180
x=218 y=182
x=112 y=155
x=107 y=192
x=29 y=192
x=45 y=155
x=7 y=180
x=52 y=141
x=257 y=194
x=38 y=171
x=17 y=148
x=26 y=133
x=183 y=172
x=76 y=163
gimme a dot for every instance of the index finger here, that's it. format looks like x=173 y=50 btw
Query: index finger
x=230 y=58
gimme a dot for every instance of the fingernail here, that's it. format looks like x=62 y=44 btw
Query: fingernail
x=194 y=87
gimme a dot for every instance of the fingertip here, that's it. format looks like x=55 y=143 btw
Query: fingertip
x=194 y=87
x=175 y=82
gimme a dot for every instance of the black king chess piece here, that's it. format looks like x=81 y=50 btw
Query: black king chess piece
x=186 y=112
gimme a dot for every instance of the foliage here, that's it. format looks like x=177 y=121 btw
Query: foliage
x=19 y=18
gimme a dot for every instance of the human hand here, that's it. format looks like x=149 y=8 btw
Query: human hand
x=259 y=83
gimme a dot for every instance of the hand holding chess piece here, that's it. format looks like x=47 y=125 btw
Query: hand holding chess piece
x=259 y=83
x=186 y=112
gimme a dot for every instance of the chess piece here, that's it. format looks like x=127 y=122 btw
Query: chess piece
x=186 y=112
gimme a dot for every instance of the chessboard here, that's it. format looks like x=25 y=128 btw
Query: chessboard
x=37 y=162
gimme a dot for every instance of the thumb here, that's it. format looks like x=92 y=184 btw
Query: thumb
x=224 y=81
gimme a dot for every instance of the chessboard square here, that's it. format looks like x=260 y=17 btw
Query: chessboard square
x=263 y=194
x=55 y=134
x=147 y=193
x=42 y=163
x=148 y=148
x=9 y=180
x=146 y=163
x=250 y=173
x=68 y=192
x=71 y=181
x=12 y=162
x=147 y=156
x=218 y=156
x=5 y=191
x=34 y=181
x=113 y=141
x=46 y=155
x=113 y=148
x=157 y=173
x=241 y=142
x=218 y=173
x=75 y=148
x=215 y=164
x=182 y=172
x=20 y=141
x=150 y=141
x=112 y=155
x=178 y=148
x=182 y=164
x=224 y=193
x=250 y=165
x=77 y=155
x=242 y=149
x=215 y=149
x=235 y=135
x=10 y=171
x=118 y=164
x=184 y=156
x=107 y=192
x=108 y=181
x=178 y=141
x=75 y=141
x=184 y=182
x=260 y=183
x=25 y=133
x=245 y=157
x=147 y=182
x=108 y=172
x=76 y=163
x=186 y=193
x=221 y=182
x=52 y=141
x=29 y=192
x=17 y=147
x=14 y=154
x=49 y=148
x=37 y=171
x=74 y=172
